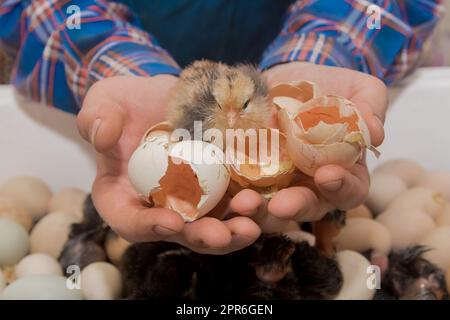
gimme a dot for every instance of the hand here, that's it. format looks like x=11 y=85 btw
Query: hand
x=115 y=114
x=332 y=186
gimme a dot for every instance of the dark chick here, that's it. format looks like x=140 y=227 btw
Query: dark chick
x=221 y=97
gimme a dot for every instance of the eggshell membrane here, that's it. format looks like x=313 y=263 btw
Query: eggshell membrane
x=326 y=130
x=101 y=281
x=299 y=90
x=40 y=287
x=69 y=200
x=436 y=180
x=428 y=200
x=362 y=234
x=443 y=219
x=31 y=193
x=10 y=209
x=360 y=211
x=51 y=233
x=406 y=227
x=438 y=240
x=407 y=170
x=383 y=189
x=37 y=264
x=14 y=242
x=115 y=247
x=354 y=270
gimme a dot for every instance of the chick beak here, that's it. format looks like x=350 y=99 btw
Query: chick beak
x=232 y=117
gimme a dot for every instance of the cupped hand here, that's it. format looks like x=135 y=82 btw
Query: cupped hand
x=115 y=114
x=332 y=186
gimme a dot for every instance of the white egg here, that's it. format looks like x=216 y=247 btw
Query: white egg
x=2 y=282
x=40 y=287
x=31 y=193
x=101 y=281
x=438 y=241
x=115 y=247
x=438 y=181
x=444 y=218
x=354 y=268
x=407 y=170
x=14 y=242
x=424 y=199
x=150 y=164
x=406 y=227
x=37 y=264
x=362 y=234
x=10 y=209
x=383 y=189
x=51 y=233
x=69 y=200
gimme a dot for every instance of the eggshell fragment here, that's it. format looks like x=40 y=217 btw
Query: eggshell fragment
x=37 y=264
x=443 y=219
x=188 y=177
x=10 y=209
x=40 y=287
x=407 y=170
x=420 y=198
x=436 y=180
x=324 y=130
x=51 y=233
x=115 y=247
x=101 y=281
x=360 y=211
x=362 y=234
x=438 y=240
x=70 y=200
x=14 y=242
x=2 y=282
x=406 y=227
x=31 y=193
x=354 y=270
x=383 y=189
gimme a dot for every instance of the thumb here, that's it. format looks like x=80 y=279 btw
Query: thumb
x=101 y=119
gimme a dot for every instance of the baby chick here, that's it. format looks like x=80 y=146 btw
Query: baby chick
x=221 y=96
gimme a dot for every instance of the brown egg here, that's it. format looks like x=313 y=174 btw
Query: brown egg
x=407 y=170
x=10 y=209
x=439 y=242
x=360 y=211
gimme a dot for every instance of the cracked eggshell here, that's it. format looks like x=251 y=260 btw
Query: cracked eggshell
x=37 y=264
x=362 y=234
x=101 y=281
x=31 y=193
x=189 y=176
x=324 y=130
x=438 y=241
x=407 y=170
x=436 y=180
x=354 y=270
x=40 y=287
x=69 y=200
x=428 y=200
x=14 y=242
x=406 y=226
x=383 y=189
x=10 y=209
x=264 y=177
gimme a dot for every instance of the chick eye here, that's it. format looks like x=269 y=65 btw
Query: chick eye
x=245 y=104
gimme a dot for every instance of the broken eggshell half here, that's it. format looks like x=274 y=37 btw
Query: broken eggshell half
x=265 y=171
x=188 y=176
x=321 y=131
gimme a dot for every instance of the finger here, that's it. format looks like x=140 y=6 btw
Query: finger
x=247 y=202
x=297 y=203
x=343 y=188
x=205 y=233
x=244 y=231
x=101 y=119
x=128 y=217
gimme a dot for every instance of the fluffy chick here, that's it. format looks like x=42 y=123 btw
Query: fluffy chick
x=221 y=96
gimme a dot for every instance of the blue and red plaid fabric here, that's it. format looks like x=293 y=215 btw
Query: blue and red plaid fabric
x=56 y=65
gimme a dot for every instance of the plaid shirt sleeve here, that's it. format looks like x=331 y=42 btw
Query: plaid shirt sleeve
x=342 y=33
x=56 y=62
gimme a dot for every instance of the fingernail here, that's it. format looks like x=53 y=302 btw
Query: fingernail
x=94 y=130
x=162 y=231
x=332 y=186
